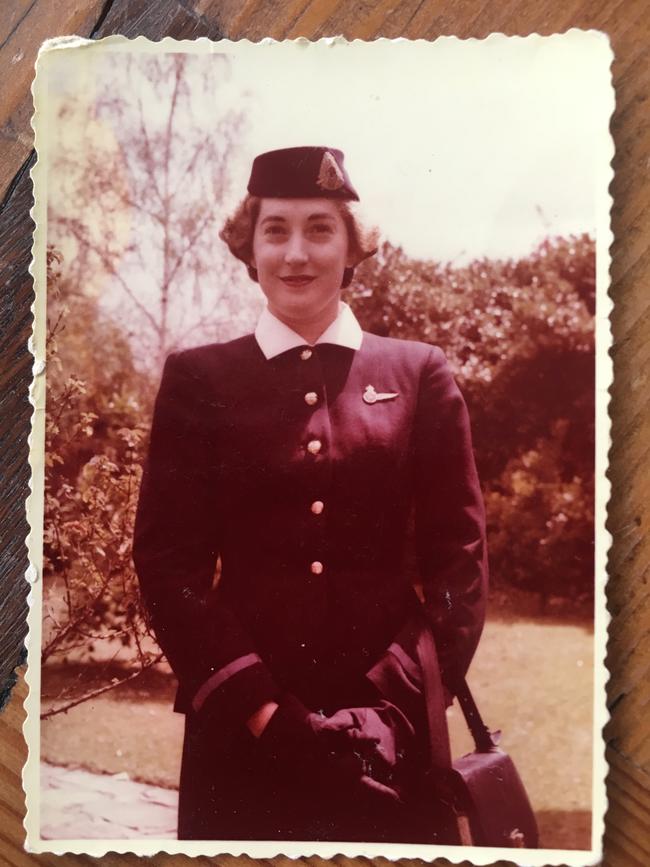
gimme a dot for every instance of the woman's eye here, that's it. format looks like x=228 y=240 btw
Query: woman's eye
x=274 y=230
x=322 y=228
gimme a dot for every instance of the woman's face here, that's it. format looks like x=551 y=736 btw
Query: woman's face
x=300 y=250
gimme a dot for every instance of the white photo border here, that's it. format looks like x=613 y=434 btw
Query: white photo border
x=599 y=43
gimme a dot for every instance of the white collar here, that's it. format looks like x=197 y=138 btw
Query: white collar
x=274 y=337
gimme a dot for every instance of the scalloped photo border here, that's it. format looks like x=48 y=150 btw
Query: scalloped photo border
x=245 y=51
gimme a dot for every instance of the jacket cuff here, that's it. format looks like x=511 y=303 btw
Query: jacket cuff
x=288 y=730
x=237 y=690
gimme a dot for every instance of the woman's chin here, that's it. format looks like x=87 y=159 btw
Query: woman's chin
x=297 y=305
x=304 y=304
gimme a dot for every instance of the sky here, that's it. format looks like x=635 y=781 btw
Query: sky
x=459 y=149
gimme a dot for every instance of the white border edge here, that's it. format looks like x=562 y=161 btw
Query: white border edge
x=34 y=508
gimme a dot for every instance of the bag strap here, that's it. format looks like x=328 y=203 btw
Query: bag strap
x=434 y=700
x=484 y=739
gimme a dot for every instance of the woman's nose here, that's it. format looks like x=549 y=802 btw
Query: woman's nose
x=295 y=253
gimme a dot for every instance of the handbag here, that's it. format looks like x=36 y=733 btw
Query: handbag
x=484 y=787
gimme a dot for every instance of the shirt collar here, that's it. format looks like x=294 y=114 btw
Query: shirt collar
x=274 y=337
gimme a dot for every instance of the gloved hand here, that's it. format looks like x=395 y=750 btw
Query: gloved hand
x=292 y=732
x=335 y=753
x=381 y=736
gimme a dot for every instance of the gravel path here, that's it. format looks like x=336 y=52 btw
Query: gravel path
x=77 y=804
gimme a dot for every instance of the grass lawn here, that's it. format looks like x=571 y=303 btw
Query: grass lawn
x=532 y=680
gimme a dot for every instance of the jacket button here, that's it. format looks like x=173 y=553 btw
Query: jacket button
x=306 y=354
x=314 y=446
x=317 y=507
x=311 y=398
x=316 y=567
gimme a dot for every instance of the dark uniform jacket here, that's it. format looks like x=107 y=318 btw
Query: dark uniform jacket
x=303 y=490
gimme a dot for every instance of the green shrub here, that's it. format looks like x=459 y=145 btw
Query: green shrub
x=519 y=336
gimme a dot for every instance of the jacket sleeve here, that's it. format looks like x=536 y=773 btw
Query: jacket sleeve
x=175 y=550
x=449 y=519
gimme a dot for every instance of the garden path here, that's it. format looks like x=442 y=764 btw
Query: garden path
x=78 y=804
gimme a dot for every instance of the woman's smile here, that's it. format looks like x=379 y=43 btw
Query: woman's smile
x=297 y=280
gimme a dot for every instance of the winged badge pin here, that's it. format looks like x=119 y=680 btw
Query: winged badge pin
x=372 y=396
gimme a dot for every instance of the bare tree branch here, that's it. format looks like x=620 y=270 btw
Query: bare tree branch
x=94 y=693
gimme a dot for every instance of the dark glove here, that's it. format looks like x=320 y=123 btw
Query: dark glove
x=333 y=753
x=293 y=737
x=381 y=736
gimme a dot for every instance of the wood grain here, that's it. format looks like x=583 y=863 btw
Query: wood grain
x=25 y=23
x=23 y=27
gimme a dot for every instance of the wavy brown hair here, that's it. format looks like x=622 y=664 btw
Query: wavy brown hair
x=238 y=233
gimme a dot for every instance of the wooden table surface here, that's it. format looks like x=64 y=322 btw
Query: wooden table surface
x=24 y=24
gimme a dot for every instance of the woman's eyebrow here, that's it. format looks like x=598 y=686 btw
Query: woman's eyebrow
x=278 y=218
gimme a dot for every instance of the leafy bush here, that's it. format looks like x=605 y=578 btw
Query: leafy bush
x=540 y=524
x=95 y=431
x=519 y=337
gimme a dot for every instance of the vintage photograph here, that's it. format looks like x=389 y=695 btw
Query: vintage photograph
x=318 y=542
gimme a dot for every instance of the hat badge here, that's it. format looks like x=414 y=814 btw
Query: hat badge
x=330 y=176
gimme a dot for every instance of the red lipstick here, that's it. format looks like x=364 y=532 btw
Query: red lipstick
x=297 y=279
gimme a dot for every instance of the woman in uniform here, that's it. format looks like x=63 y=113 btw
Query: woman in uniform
x=296 y=456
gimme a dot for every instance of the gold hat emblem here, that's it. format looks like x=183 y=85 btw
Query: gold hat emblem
x=330 y=176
